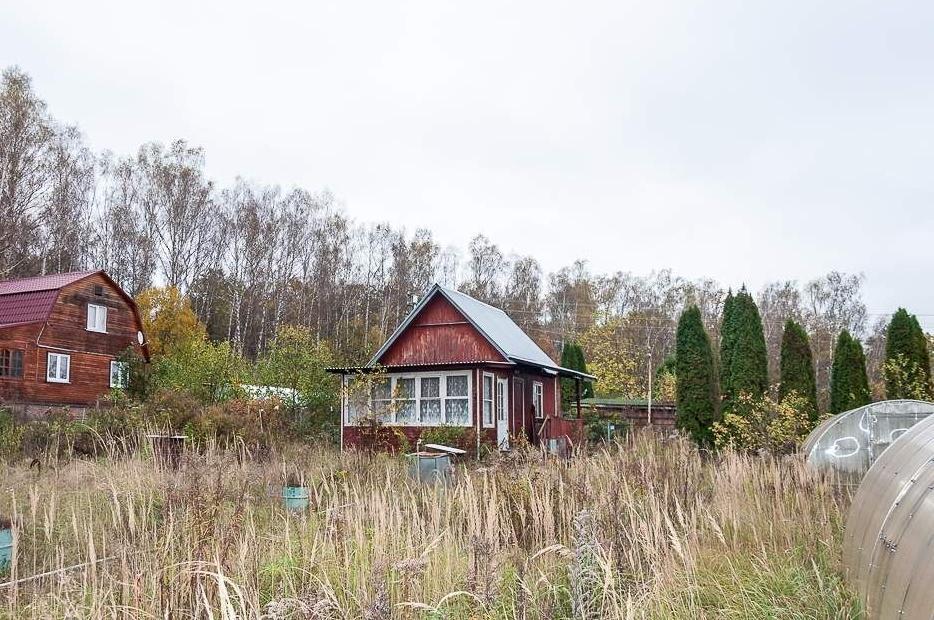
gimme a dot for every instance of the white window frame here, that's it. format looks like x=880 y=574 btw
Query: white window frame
x=488 y=401
x=95 y=324
x=59 y=358
x=122 y=374
x=352 y=417
x=538 y=399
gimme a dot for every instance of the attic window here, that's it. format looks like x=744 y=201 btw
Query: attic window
x=99 y=290
x=97 y=318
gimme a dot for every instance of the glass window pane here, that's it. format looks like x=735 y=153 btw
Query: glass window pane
x=456 y=411
x=382 y=389
x=405 y=412
x=405 y=388
x=431 y=411
x=457 y=385
x=431 y=387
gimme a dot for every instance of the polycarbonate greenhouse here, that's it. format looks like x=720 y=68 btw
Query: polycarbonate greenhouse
x=851 y=441
x=888 y=547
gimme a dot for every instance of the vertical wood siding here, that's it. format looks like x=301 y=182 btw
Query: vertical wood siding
x=440 y=334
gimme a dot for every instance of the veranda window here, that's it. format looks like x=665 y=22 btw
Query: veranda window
x=487 y=399
x=419 y=400
x=405 y=401
x=457 y=403
x=430 y=398
x=538 y=399
x=381 y=399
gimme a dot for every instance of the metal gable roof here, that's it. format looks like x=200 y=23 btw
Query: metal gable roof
x=494 y=324
x=51 y=282
x=20 y=308
x=30 y=300
x=499 y=329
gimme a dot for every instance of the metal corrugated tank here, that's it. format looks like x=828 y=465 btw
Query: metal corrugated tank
x=888 y=547
x=851 y=441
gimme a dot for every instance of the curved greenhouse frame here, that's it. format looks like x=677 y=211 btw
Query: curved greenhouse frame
x=851 y=441
x=889 y=539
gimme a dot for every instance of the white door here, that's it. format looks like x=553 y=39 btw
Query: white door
x=502 y=414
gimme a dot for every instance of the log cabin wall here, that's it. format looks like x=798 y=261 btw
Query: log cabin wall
x=65 y=331
x=19 y=338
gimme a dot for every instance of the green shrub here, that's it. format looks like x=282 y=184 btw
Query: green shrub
x=11 y=435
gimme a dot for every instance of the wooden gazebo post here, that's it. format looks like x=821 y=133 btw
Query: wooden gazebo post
x=577 y=388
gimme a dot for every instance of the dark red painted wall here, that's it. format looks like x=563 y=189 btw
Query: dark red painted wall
x=440 y=334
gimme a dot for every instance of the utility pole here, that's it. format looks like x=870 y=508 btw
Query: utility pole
x=650 y=385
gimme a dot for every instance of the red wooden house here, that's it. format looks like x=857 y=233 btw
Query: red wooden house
x=60 y=339
x=458 y=362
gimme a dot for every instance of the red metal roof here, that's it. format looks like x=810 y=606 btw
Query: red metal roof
x=26 y=307
x=30 y=300
x=51 y=282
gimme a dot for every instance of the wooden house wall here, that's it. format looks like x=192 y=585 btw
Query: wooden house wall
x=22 y=338
x=66 y=332
x=521 y=422
x=440 y=334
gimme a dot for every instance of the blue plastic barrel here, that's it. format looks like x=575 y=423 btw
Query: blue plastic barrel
x=6 y=548
x=296 y=498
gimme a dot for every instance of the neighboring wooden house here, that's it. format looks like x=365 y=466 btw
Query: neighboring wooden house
x=60 y=339
x=457 y=362
x=635 y=412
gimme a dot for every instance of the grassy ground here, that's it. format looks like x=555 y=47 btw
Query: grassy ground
x=644 y=530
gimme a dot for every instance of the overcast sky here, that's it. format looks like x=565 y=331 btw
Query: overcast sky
x=743 y=141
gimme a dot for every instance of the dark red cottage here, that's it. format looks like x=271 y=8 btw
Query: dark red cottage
x=60 y=339
x=458 y=362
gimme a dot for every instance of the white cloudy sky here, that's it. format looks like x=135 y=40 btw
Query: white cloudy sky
x=744 y=141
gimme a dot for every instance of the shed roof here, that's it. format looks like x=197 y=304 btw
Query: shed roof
x=494 y=325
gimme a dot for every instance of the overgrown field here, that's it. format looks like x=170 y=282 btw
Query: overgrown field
x=648 y=528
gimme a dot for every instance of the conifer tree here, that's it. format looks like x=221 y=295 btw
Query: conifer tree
x=907 y=360
x=727 y=342
x=572 y=356
x=586 y=386
x=696 y=378
x=849 y=384
x=747 y=354
x=797 y=367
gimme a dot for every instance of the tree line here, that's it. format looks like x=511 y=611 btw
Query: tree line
x=254 y=259
x=724 y=394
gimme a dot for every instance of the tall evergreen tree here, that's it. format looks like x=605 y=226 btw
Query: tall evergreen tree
x=906 y=350
x=586 y=386
x=727 y=342
x=748 y=357
x=696 y=378
x=572 y=356
x=849 y=385
x=797 y=367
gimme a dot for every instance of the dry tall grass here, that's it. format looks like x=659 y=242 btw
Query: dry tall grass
x=648 y=529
